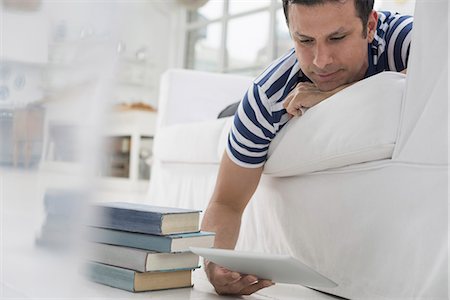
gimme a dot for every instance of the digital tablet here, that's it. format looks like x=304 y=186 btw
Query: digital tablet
x=278 y=268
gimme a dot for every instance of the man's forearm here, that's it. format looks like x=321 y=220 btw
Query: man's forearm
x=234 y=187
x=225 y=222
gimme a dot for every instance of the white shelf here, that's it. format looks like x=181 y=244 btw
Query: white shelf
x=131 y=123
x=135 y=124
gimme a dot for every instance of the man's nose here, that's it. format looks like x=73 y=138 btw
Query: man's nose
x=323 y=56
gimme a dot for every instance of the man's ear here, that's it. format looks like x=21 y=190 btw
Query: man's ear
x=372 y=25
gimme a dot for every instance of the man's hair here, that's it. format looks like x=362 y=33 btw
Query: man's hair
x=363 y=9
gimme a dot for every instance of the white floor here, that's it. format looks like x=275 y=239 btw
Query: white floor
x=31 y=272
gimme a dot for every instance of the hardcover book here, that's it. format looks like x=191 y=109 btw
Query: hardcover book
x=135 y=281
x=141 y=260
x=159 y=243
x=145 y=218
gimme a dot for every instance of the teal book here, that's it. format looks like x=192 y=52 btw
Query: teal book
x=141 y=260
x=133 y=281
x=159 y=243
x=144 y=218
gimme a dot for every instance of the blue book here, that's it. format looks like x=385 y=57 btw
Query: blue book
x=143 y=218
x=159 y=243
x=136 y=281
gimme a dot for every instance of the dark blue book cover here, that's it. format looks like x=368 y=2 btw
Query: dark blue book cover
x=159 y=243
x=143 y=218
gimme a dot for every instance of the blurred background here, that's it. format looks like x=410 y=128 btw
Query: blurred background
x=79 y=98
x=64 y=62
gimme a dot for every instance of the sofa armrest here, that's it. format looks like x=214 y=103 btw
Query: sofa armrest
x=357 y=125
x=190 y=96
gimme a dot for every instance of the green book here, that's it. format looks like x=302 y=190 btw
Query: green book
x=134 y=281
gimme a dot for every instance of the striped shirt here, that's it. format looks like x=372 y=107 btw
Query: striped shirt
x=261 y=115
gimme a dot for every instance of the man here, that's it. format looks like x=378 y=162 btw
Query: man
x=336 y=44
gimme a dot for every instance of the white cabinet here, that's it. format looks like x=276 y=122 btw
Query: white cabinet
x=127 y=152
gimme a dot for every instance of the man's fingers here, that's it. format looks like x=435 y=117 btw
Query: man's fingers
x=256 y=287
x=289 y=103
x=224 y=276
x=294 y=108
x=235 y=288
x=287 y=100
x=228 y=282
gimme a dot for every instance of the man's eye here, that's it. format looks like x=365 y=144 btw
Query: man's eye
x=337 y=38
x=305 y=41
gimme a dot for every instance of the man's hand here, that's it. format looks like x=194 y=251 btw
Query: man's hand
x=234 y=187
x=227 y=282
x=306 y=95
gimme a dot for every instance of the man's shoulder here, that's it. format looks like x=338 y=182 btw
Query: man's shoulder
x=390 y=46
x=285 y=66
x=389 y=26
x=387 y=19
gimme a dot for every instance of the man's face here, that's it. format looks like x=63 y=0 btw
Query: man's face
x=329 y=42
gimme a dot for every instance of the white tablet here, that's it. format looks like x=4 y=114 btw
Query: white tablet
x=278 y=268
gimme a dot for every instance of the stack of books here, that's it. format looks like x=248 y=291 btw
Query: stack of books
x=62 y=219
x=139 y=247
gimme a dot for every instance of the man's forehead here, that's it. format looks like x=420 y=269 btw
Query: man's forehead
x=313 y=4
x=302 y=10
x=319 y=2
x=327 y=19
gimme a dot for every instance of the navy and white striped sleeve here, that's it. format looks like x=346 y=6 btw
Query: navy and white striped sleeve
x=252 y=130
x=398 y=41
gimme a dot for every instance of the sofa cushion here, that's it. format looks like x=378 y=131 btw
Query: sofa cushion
x=358 y=124
x=190 y=142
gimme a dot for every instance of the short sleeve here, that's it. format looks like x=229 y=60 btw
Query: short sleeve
x=252 y=130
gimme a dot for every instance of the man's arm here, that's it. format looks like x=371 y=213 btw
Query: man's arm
x=234 y=187
x=306 y=95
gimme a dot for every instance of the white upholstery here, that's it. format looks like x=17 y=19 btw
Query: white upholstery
x=377 y=225
x=201 y=138
x=377 y=229
x=180 y=104
x=354 y=126
x=427 y=89
x=352 y=134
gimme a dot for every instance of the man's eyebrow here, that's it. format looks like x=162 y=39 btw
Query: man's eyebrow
x=340 y=30
x=302 y=35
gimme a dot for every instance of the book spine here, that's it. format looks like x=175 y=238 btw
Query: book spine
x=111 y=276
x=123 y=257
x=131 y=239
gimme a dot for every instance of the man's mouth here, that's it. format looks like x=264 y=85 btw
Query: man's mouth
x=326 y=76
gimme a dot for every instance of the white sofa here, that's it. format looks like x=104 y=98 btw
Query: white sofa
x=356 y=188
